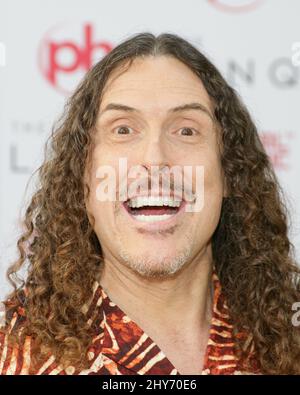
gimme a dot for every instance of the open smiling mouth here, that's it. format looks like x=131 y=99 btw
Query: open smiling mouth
x=153 y=209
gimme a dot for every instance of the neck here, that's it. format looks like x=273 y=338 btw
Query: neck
x=160 y=302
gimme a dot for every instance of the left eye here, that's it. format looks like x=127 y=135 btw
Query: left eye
x=187 y=131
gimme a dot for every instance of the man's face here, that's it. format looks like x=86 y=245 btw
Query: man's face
x=155 y=239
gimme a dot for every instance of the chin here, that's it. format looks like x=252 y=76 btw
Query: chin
x=155 y=266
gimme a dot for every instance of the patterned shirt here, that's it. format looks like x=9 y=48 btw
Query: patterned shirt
x=121 y=347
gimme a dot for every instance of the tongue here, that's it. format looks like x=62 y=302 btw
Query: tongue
x=153 y=210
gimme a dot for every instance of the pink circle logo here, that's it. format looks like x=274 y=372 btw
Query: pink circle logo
x=66 y=53
x=236 y=5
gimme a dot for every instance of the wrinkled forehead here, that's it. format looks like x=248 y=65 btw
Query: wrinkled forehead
x=154 y=85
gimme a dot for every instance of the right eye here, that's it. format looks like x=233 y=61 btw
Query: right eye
x=122 y=130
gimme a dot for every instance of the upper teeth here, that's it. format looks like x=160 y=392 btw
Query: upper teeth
x=141 y=201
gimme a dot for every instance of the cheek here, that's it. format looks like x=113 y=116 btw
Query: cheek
x=211 y=189
x=100 y=209
x=213 y=193
x=213 y=176
x=213 y=179
x=102 y=164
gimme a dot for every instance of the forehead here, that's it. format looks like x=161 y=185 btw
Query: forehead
x=155 y=84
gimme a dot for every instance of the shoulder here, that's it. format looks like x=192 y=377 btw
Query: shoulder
x=12 y=312
x=12 y=319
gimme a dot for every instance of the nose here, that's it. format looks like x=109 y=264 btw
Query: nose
x=154 y=158
x=154 y=153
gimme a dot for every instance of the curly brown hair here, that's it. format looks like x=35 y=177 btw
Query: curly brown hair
x=253 y=256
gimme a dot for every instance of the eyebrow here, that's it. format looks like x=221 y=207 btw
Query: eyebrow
x=183 y=107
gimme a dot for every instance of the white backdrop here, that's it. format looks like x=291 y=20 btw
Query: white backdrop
x=46 y=46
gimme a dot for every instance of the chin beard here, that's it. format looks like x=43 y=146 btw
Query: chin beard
x=156 y=267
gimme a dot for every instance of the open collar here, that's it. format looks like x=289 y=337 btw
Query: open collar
x=127 y=349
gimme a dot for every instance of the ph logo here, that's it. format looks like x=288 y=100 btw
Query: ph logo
x=66 y=53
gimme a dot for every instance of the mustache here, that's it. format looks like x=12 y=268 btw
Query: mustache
x=165 y=186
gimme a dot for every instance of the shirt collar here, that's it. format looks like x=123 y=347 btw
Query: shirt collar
x=123 y=342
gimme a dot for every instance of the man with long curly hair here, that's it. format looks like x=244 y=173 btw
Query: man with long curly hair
x=141 y=285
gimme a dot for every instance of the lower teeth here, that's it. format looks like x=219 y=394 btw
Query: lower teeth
x=152 y=218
